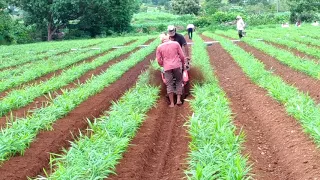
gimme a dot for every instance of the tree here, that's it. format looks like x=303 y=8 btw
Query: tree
x=211 y=6
x=93 y=16
x=303 y=10
x=52 y=14
x=106 y=15
x=186 y=6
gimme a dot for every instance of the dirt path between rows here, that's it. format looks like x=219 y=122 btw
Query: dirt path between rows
x=43 y=100
x=46 y=58
x=37 y=156
x=275 y=142
x=58 y=72
x=295 y=52
x=293 y=77
x=160 y=148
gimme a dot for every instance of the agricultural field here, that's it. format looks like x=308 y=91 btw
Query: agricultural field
x=154 y=22
x=96 y=109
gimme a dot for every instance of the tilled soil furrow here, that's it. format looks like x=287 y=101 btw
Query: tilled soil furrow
x=295 y=78
x=275 y=142
x=294 y=51
x=50 y=75
x=43 y=100
x=159 y=150
x=58 y=72
x=37 y=156
x=58 y=54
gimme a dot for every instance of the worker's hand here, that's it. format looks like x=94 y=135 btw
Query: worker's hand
x=186 y=65
x=188 y=58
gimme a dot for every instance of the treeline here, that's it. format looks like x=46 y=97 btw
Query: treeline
x=77 y=18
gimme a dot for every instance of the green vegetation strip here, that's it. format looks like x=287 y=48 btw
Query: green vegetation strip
x=307 y=66
x=215 y=149
x=297 y=104
x=17 y=136
x=24 y=57
x=293 y=35
x=96 y=156
x=21 y=97
x=60 y=61
x=41 y=68
x=291 y=44
x=8 y=52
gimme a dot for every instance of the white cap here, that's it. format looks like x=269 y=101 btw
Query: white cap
x=238 y=17
x=171 y=30
x=170 y=27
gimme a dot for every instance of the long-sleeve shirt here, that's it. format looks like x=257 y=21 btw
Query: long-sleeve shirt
x=240 y=25
x=170 y=55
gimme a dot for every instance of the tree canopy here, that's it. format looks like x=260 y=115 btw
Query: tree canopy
x=186 y=6
x=93 y=16
x=304 y=10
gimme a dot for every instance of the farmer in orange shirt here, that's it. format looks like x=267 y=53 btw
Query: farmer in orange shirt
x=170 y=56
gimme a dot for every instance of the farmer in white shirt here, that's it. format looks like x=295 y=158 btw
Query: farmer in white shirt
x=190 y=29
x=240 y=26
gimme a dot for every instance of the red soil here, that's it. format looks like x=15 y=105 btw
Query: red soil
x=159 y=150
x=295 y=52
x=274 y=141
x=160 y=147
x=295 y=78
x=58 y=54
x=56 y=73
x=37 y=156
x=43 y=100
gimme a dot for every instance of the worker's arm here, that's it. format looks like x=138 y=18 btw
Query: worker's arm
x=159 y=57
x=186 y=51
x=180 y=53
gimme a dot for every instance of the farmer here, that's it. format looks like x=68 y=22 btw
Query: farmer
x=315 y=23
x=171 y=58
x=298 y=23
x=240 y=26
x=174 y=36
x=190 y=29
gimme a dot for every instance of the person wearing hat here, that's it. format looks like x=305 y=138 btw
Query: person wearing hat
x=170 y=56
x=240 y=26
x=174 y=36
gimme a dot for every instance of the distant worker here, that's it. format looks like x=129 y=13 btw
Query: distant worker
x=285 y=25
x=171 y=58
x=174 y=36
x=298 y=23
x=190 y=29
x=315 y=23
x=240 y=26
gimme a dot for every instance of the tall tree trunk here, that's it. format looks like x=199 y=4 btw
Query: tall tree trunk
x=51 y=31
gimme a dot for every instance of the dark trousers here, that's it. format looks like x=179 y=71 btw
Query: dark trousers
x=190 y=31
x=240 y=34
x=171 y=85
